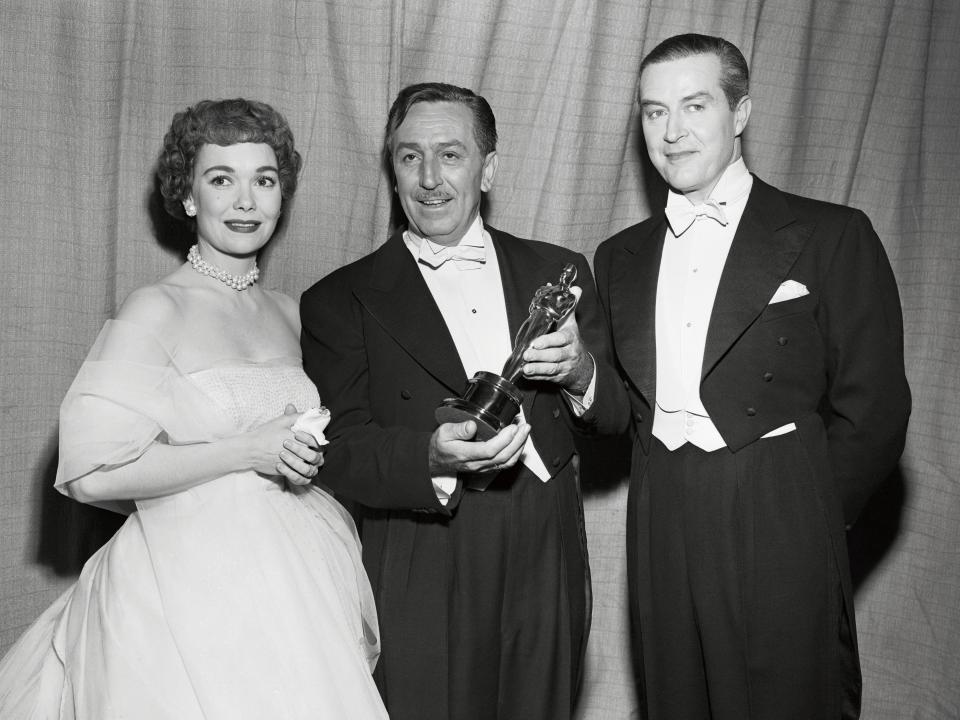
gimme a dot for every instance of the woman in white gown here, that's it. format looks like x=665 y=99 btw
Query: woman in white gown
x=235 y=588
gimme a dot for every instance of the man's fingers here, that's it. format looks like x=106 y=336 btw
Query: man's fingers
x=509 y=453
x=466 y=430
x=556 y=339
x=571 y=317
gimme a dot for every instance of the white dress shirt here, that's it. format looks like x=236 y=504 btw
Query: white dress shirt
x=690 y=269
x=470 y=297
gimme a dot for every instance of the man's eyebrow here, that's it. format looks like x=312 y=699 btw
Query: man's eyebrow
x=412 y=144
x=699 y=95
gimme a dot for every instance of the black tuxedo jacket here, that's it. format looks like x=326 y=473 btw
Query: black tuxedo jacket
x=832 y=358
x=378 y=349
x=831 y=361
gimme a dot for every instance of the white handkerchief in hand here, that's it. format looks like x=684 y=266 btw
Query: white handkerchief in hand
x=313 y=422
x=789 y=290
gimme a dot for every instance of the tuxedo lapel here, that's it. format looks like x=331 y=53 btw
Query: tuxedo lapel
x=398 y=298
x=634 y=269
x=765 y=247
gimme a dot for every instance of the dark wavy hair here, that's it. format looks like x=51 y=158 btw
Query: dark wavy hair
x=484 y=123
x=222 y=122
x=734 y=74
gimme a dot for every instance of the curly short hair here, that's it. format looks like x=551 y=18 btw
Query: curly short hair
x=222 y=122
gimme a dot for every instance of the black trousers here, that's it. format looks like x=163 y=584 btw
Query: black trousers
x=507 y=613
x=737 y=612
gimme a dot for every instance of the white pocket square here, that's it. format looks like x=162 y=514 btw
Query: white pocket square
x=789 y=290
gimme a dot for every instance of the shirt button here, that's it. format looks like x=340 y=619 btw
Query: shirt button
x=556 y=413
x=751 y=411
x=782 y=340
x=767 y=376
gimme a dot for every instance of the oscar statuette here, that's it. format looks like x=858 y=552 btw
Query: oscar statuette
x=492 y=401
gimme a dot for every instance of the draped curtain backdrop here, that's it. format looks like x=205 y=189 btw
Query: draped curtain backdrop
x=855 y=101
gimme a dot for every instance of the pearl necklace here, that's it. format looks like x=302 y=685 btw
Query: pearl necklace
x=237 y=282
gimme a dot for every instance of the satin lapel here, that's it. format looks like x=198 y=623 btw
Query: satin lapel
x=765 y=247
x=633 y=273
x=400 y=301
x=522 y=271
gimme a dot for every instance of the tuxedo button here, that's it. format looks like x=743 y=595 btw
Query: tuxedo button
x=751 y=412
x=556 y=461
x=639 y=417
x=767 y=376
x=556 y=413
x=405 y=394
x=782 y=340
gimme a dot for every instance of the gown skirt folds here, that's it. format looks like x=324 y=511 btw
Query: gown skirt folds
x=238 y=598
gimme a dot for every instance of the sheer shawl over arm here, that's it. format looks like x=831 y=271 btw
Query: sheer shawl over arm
x=129 y=393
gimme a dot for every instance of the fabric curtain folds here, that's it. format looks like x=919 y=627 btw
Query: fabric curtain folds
x=854 y=101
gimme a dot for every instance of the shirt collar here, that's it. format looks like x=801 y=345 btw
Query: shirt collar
x=474 y=237
x=732 y=187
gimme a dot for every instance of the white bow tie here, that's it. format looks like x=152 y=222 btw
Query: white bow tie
x=683 y=216
x=465 y=257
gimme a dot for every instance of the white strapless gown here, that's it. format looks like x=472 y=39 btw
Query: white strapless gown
x=240 y=598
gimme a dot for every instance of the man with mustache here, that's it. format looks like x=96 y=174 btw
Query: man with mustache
x=475 y=549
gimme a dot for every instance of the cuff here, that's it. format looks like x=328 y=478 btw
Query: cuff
x=444 y=486
x=580 y=405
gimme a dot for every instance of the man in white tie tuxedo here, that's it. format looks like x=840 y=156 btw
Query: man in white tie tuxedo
x=760 y=349
x=483 y=595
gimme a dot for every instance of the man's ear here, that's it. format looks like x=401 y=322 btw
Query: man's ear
x=742 y=114
x=490 y=164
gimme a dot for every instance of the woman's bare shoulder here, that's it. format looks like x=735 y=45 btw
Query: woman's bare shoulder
x=288 y=307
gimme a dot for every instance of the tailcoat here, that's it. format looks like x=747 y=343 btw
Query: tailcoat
x=484 y=602
x=830 y=360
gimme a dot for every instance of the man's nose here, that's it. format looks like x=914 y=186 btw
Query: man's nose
x=430 y=173
x=675 y=128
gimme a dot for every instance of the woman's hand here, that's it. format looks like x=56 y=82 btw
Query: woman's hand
x=278 y=450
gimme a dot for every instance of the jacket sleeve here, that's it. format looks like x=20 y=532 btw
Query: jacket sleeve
x=867 y=404
x=379 y=467
x=610 y=412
